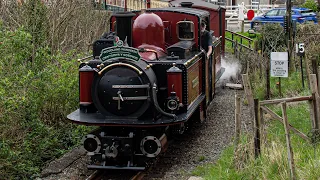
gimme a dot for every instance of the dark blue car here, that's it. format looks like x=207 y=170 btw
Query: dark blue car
x=276 y=15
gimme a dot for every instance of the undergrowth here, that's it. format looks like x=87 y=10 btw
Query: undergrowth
x=37 y=91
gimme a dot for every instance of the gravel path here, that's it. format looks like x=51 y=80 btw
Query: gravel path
x=202 y=144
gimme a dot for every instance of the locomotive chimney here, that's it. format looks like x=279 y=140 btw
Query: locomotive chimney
x=124 y=26
x=186 y=4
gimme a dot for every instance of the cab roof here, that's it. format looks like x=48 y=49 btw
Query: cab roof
x=199 y=3
x=191 y=11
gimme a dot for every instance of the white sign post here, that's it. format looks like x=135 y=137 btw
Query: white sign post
x=241 y=15
x=241 y=12
x=279 y=64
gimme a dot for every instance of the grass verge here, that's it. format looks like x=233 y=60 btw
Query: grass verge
x=273 y=162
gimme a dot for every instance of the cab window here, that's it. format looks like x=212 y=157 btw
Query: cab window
x=282 y=12
x=185 y=30
x=272 y=13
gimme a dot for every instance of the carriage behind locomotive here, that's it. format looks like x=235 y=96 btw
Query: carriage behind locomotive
x=148 y=77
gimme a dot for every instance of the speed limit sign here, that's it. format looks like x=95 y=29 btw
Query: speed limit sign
x=300 y=49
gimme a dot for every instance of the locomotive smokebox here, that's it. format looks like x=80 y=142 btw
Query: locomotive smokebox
x=124 y=26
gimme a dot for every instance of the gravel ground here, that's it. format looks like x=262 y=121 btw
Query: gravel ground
x=202 y=144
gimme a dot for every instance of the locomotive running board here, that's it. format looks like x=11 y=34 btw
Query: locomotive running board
x=116 y=168
x=219 y=74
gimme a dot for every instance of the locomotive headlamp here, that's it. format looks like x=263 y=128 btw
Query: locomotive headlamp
x=173 y=102
x=174 y=77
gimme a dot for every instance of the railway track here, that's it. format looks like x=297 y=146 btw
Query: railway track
x=102 y=175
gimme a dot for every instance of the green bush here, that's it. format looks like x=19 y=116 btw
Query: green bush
x=35 y=97
x=310 y=4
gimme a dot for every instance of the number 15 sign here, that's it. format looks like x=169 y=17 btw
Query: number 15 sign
x=279 y=64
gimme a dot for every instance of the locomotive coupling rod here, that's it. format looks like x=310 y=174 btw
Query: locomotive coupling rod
x=120 y=64
x=81 y=59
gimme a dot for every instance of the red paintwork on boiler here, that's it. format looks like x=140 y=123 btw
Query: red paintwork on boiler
x=176 y=79
x=148 y=29
x=86 y=78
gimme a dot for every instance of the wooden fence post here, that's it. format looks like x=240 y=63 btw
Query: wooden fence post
x=315 y=67
x=267 y=96
x=289 y=148
x=313 y=110
x=247 y=89
x=316 y=100
x=248 y=92
x=235 y=47
x=257 y=123
x=237 y=120
x=262 y=124
x=318 y=79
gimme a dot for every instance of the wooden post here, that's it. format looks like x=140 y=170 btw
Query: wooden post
x=313 y=111
x=307 y=71
x=315 y=67
x=318 y=79
x=257 y=142
x=267 y=96
x=235 y=48
x=260 y=59
x=248 y=66
x=248 y=92
x=263 y=131
x=289 y=148
x=316 y=101
x=237 y=120
x=247 y=89
x=232 y=39
x=242 y=26
x=241 y=42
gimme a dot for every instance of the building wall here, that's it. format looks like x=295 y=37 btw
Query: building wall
x=246 y=2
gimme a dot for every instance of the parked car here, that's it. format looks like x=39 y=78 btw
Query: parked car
x=300 y=15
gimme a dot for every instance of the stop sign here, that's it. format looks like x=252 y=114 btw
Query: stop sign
x=250 y=14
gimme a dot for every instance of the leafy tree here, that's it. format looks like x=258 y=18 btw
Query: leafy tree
x=310 y=4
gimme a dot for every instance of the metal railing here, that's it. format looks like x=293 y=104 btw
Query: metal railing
x=118 y=5
x=234 y=40
x=233 y=11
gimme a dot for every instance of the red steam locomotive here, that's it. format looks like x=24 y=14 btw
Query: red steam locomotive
x=147 y=79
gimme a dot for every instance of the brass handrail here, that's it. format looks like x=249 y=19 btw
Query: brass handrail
x=120 y=64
